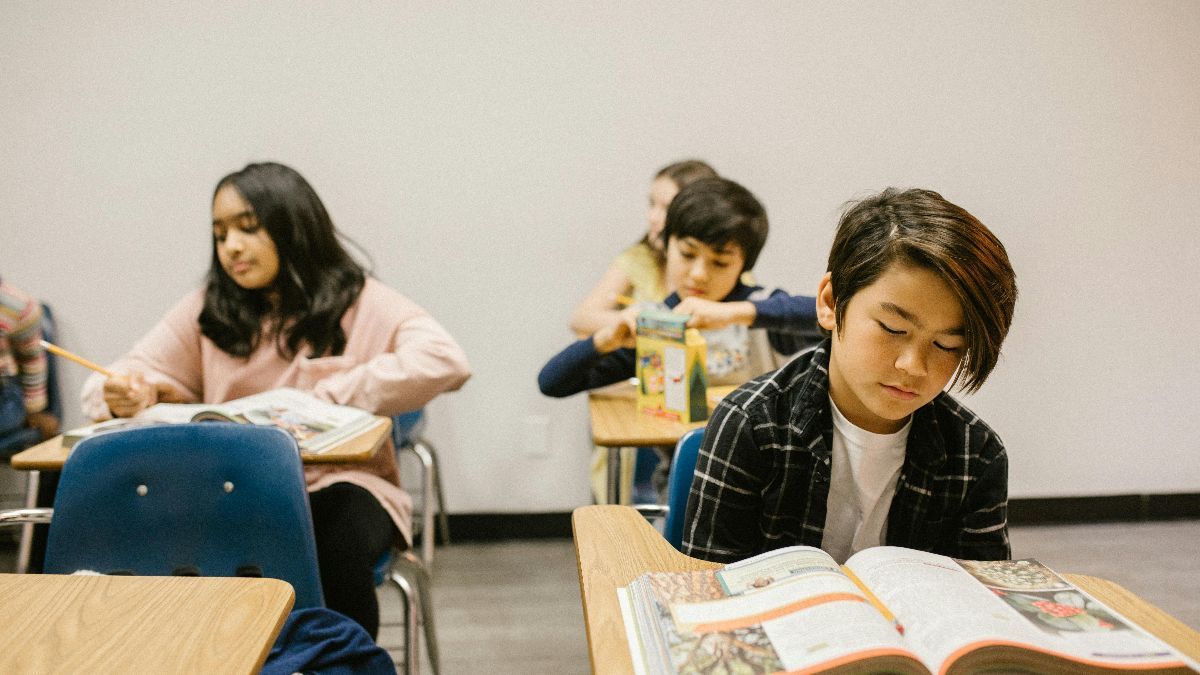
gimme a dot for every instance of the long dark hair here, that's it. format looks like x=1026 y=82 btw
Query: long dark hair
x=317 y=281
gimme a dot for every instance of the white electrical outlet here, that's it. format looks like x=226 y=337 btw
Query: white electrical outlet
x=535 y=436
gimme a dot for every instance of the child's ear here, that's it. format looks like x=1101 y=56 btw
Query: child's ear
x=826 y=314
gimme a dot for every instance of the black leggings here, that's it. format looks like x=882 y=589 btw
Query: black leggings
x=353 y=531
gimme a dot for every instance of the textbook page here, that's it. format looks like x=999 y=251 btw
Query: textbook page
x=72 y=436
x=180 y=413
x=315 y=424
x=950 y=608
x=160 y=413
x=790 y=610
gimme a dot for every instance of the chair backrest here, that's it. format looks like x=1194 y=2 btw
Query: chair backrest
x=220 y=499
x=407 y=426
x=679 y=484
x=54 y=403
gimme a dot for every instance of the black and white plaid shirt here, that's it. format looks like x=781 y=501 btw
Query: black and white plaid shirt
x=762 y=478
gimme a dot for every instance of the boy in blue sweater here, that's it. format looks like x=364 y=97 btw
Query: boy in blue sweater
x=714 y=231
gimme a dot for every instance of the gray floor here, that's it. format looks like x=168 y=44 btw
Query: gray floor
x=514 y=607
x=500 y=608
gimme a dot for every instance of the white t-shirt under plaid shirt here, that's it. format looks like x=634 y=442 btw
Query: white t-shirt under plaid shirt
x=861 y=485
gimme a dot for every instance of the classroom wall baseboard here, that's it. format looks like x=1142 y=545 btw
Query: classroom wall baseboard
x=1104 y=509
x=506 y=526
x=479 y=527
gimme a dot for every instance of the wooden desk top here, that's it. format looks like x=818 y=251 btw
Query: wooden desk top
x=50 y=455
x=614 y=545
x=617 y=423
x=117 y=624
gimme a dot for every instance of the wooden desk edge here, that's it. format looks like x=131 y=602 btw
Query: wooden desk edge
x=1141 y=612
x=616 y=423
x=51 y=455
x=360 y=448
x=602 y=527
x=274 y=596
x=266 y=650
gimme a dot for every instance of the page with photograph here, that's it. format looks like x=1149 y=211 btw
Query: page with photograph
x=789 y=611
x=970 y=614
x=315 y=424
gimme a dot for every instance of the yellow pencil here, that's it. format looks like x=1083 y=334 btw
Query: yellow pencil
x=55 y=349
x=874 y=600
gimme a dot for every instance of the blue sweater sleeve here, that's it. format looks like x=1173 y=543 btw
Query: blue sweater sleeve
x=580 y=367
x=790 y=320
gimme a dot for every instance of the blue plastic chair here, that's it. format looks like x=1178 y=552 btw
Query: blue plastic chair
x=679 y=485
x=207 y=499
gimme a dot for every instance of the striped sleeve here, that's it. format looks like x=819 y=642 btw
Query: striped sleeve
x=21 y=324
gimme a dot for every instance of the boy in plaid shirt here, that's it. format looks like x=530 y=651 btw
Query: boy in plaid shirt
x=855 y=443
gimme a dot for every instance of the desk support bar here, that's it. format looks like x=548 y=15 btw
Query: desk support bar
x=26 y=516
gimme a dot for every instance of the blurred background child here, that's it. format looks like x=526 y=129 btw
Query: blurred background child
x=23 y=397
x=639 y=272
x=714 y=231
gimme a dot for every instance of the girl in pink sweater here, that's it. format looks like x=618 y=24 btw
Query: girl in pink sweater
x=286 y=306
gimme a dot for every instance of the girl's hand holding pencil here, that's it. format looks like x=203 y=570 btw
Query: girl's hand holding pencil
x=125 y=394
x=129 y=394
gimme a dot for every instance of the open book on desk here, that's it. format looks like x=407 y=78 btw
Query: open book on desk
x=888 y=609
x=315 y=424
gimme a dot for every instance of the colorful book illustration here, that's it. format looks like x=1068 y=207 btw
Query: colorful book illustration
x=673 y=380
x=316 y=425
x=888 y=609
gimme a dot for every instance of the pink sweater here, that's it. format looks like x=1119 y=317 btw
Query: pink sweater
x=397 y=358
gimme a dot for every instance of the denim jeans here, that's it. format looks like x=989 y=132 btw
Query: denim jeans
x=12 y=405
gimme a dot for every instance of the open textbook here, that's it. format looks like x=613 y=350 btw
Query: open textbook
x=888 y=609
x=316 y=425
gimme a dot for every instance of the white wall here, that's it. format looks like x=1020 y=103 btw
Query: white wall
x=493 y=158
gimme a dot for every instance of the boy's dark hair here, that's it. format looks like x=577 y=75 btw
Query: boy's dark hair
x=919 y=227
x=686 y=172
x=317 y=281
x=717 y=211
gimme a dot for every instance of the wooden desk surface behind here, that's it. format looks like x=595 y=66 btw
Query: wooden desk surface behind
x=116 y=624
x=617 y=423
x=50 y=455
x=615 y=544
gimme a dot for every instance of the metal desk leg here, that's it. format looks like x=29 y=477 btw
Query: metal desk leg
x=614 y=475
x=25 y=546
x=628 y=466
